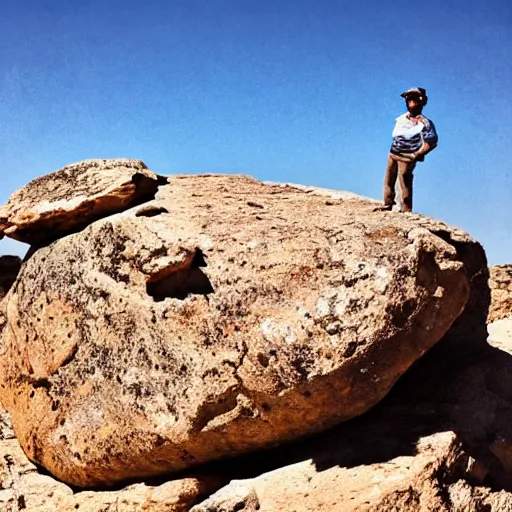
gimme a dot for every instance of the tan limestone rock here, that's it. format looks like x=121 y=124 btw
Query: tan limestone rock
x=412 y=482
x=500 y=310
x=500 y=334
x=238 y=495
x=25 y=489
x=401 y=456
x=69 y=199
x=500 y=282
x=403 y=468
x=232 y=316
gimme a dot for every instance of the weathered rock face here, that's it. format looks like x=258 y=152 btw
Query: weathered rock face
x=69 y=199
x=230 y=316
x=25 y=489
x=500 y=282
x=9 y=268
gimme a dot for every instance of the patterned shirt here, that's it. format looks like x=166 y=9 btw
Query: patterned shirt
x=410 y=134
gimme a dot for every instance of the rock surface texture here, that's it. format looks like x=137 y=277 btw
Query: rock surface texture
x=225 y=316
x=500 y=282
x=500 y=333
x=403 y=456
x=56 y=204
x=25 y=489
x=429 y=477
x=441 y=440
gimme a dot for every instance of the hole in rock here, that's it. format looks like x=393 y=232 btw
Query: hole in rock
x=182 y=283
x=151 y=211
x=443 y=234
x=263 y=360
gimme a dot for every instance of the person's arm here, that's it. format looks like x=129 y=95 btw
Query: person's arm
x=430 y=139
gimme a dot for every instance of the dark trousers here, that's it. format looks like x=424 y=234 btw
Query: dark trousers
x=402 y=169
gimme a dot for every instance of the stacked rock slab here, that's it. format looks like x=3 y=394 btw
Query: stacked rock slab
x=433 y=476
x=227 y=317
x=59 y=203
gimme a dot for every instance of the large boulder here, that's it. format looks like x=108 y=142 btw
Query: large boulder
x=224 y=317
x=403 y=455
x=69 y=199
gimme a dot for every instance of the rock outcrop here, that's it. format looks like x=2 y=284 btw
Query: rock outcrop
x=402 y=455
x=227 y=316
x=67 y=200
x=500 y=311
x=223 y=317
x=500 y=282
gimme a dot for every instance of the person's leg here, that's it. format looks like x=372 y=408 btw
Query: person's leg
x=389 y=182
x=405 y=177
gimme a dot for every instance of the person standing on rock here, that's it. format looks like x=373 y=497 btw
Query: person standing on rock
x=413 y=137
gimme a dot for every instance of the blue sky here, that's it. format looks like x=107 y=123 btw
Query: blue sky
x=304 y=91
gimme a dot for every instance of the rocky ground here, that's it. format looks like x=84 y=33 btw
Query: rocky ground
x=222 y=344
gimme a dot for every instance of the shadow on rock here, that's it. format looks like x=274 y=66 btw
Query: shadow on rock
x=471 y=397
x=9 y=269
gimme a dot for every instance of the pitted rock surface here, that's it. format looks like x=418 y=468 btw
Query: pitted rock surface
x=240 y=316
x=500 y=282
x=25 y=489
x=59 y=203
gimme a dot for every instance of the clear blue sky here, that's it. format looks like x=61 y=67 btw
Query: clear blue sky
x=303 y=91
